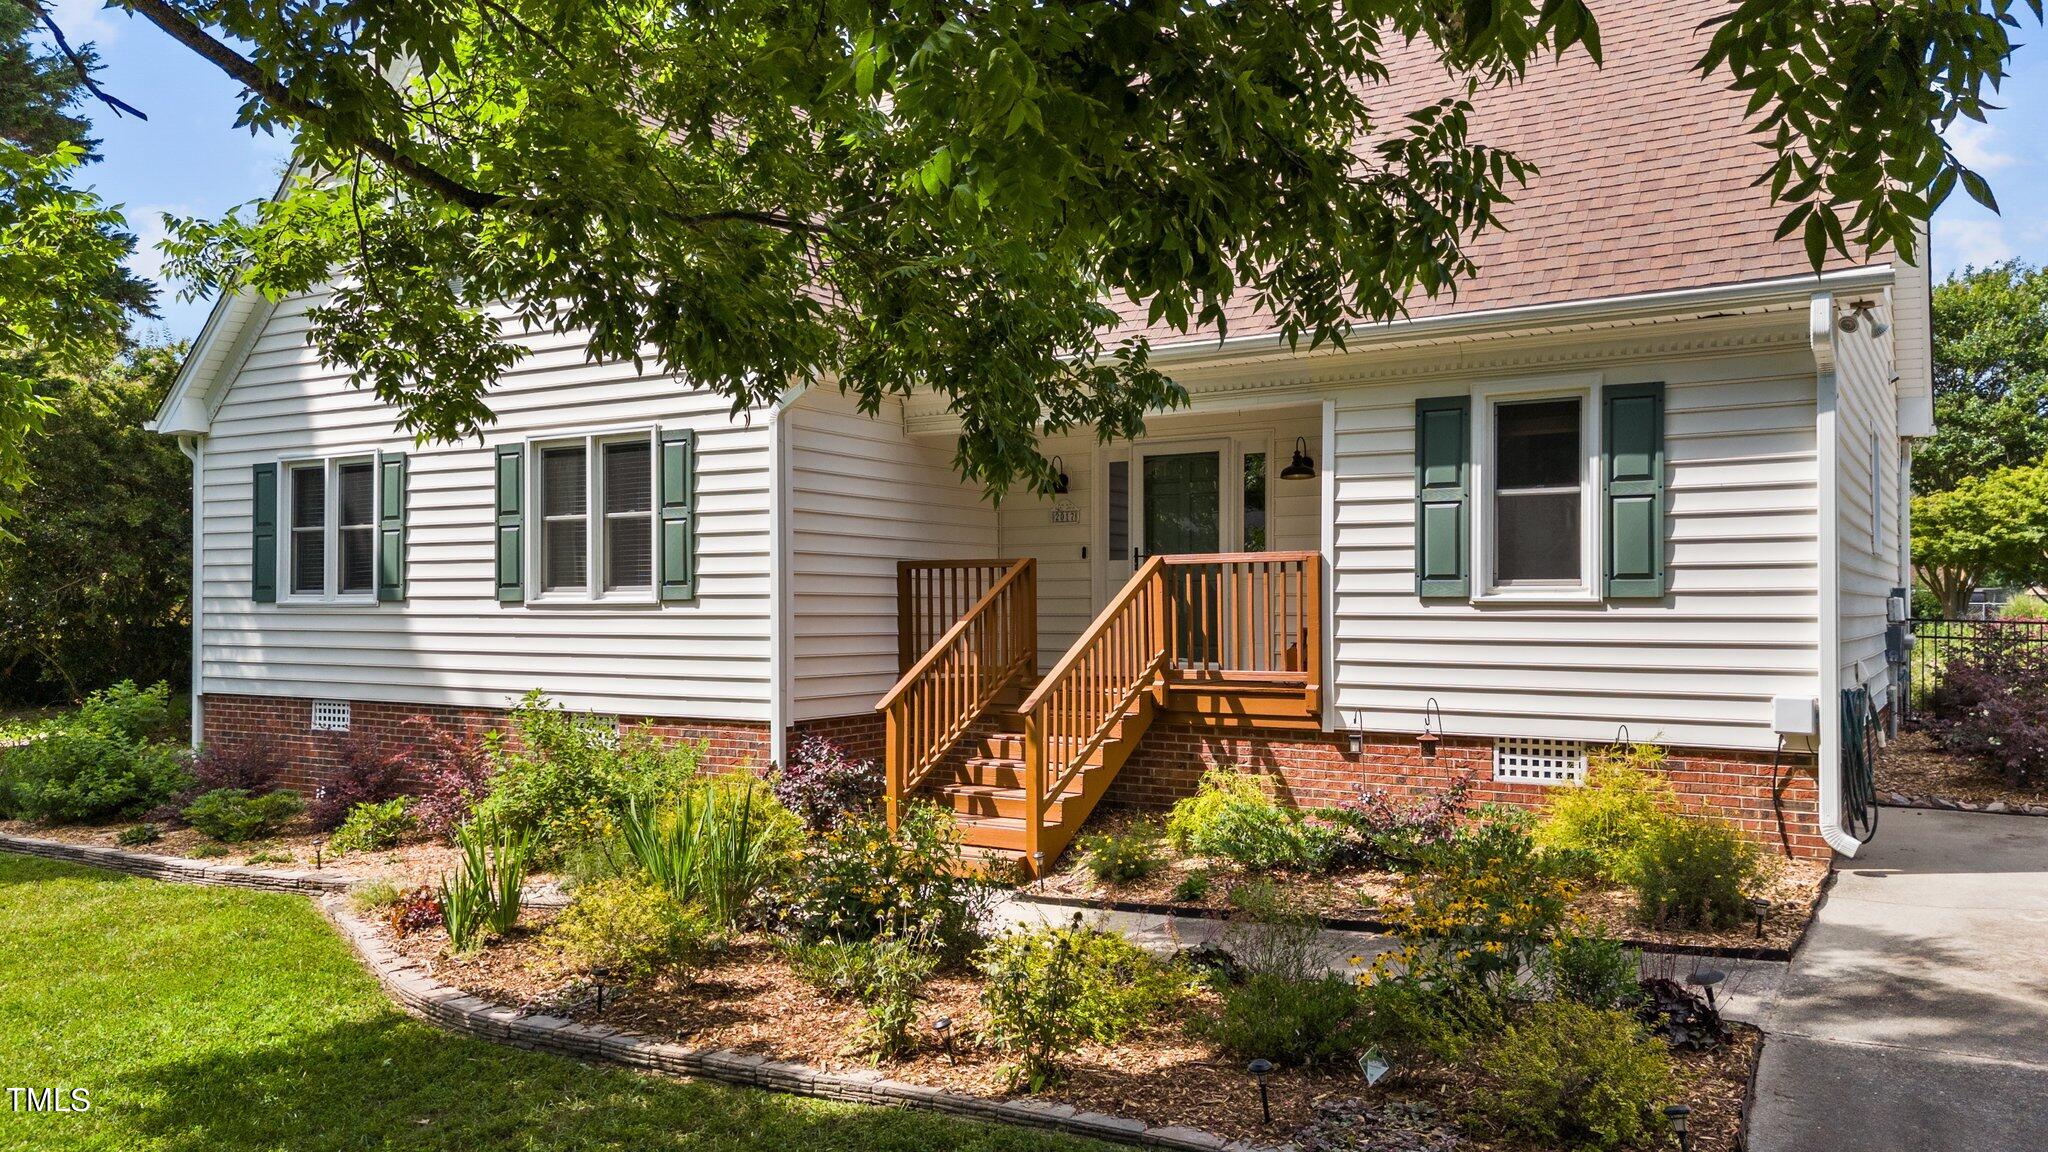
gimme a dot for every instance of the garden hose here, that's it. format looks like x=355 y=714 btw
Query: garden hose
x=1859 y=764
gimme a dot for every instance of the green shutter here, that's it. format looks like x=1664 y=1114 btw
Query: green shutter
x=1632 y=498
x=1443 y=496
x=391 y=526
x=263 y=535
x=511 y=536
x=677 y=512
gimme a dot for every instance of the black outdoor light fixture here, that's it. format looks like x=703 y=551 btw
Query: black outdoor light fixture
x=943 y=1029
x=1060 y=484
x=1706 y=978
x=1678 y=1114
x=1759 y=908
x=1432 y=728
x=318 y=844
x=598 y=976
x=1259 y=1069
x=1303 y=466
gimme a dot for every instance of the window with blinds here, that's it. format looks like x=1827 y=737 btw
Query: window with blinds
x=329 y=535
x=565 y=527
x=309 y=529
x=356 y=526
x=595 y=497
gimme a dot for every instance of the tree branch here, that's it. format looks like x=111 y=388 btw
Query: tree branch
x=78 y=64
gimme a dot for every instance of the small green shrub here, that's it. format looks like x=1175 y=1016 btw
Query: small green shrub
x=860 y=882
x=1566 y=1075
x=1233 y=816
x=885 y=974
x=632 y=928
x=1694 y=872
x=1047 y=991
x=207 y=850
x=2025 y=606
x=1122 y=857
x=1591 y=969
x=1428 y=1015
x=233 y=816
x=1482 y=905
x=1193 y=886
x=136 y=835
x=95 y=763
x=602 y=858
x=1270 y=933
x=371 y=826
x=1624 y=799
x=374 y=895
x=1287 y=1021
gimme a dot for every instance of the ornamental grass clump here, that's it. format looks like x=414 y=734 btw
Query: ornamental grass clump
x=719 y=843
x=486 y=891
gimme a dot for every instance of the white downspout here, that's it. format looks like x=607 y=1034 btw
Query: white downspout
x=194 y=448
x=782 y=606
x=1826 y=433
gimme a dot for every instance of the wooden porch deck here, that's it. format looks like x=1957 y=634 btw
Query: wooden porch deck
x=1226 y=639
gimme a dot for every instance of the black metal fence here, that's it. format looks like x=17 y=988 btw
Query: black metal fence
x=1937 y=642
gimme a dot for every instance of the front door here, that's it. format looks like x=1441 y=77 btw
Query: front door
x=1181 y=502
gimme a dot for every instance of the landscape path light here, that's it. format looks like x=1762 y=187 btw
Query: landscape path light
x=1260 y=1069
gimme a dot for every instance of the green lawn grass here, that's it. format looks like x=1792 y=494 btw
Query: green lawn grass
x=215 y=1020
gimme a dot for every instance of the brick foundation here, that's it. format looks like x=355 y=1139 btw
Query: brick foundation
x=1313 y=769
x=861 y=735
x=312 y=757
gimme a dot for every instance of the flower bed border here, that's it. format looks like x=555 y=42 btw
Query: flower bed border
x=1939 y=803
x=451 y=1009
x=1380 y=927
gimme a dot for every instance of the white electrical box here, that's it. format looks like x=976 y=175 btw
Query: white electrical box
x=1795 y=715
x=1896 y=609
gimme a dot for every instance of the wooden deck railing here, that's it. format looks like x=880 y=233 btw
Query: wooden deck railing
x=1236 y=617
x=932 y=595
x=992 y=643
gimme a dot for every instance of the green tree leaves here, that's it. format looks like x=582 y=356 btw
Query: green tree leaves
x=1992 y=527
x=1990 y=375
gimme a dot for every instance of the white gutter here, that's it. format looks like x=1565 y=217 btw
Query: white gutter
x=194 y=448
x=782 y=606
x=1820 y=329
x=1787 y=290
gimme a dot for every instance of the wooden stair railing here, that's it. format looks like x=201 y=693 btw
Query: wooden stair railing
x=933 y=595
x=1088 y=697
x=991 y=645
x=1246 y=618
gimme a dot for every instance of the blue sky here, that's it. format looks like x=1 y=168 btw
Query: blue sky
x=188 y=158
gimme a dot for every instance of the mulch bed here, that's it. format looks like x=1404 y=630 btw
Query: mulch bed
x=1915 y=770
x=748 y=1000
x=1792 y=886
x=409 y=865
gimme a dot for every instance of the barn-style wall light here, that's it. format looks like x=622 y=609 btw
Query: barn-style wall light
x=1303 y=466
x=1060 y=485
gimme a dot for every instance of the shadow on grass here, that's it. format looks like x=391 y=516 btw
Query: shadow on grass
x=395 y=1083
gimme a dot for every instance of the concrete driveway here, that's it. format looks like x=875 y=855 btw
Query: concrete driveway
x=1916 y=1015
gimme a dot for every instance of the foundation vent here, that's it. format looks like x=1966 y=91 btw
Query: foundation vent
x=330 y=715
x=1531 y=761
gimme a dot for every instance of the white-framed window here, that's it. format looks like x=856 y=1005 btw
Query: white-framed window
x=1536 y=454
x=594 y=538
x=328 y=544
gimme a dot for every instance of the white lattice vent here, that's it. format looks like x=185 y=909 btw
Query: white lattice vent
x=1532 y=761
x=330 y=715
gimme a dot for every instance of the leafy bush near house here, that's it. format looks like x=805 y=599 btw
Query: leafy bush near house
x=1588 y=968
x=824 y=785
x=1694 y=872
x=1234 y=816
x=1991 y=705
x=253 y=765
x=1192 y=886
x=372 y=826
x=859 y=882
x=885 y=974
x=1565 y=1075
x=1288 y=1021
x=1047 y=991
x=720 y=843
x=454 y=770
x=633 y=929
x=233 y=816
x=1483 y=905
x=1121 y=857
x=366 y=771
x=1623 y=800
x=1428 y=1014
x=1377 y=831
x=136 y=835
x=97 y=762
x=566 y=777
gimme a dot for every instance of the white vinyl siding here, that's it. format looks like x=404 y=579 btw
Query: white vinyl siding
x=451 y=641
x=1698 y=667
x=862 y=496
x=1867 y=454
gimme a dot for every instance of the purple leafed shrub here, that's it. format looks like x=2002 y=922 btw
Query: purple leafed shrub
x=453 y=769
x=1992 y=705
x=1380 y=832
x=253 y=765
x=824 y=785
x=367 y=770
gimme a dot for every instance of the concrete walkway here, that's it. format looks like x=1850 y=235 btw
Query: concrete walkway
x=1916 y=1016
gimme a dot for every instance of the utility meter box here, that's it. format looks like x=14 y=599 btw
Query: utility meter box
x=1795 y=715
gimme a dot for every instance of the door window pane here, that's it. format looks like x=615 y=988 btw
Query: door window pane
x=564 y=536
x=1183 y=502
x=1255 y=501
x=356 y=525
x=309 y=529
x=628 y=515
x=1119 y=511
x=1537 y=492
